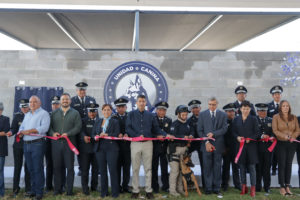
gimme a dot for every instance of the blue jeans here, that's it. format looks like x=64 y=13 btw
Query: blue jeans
x=34 y=157
x=2 y=161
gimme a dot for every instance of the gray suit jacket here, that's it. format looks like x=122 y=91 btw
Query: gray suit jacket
x=219 y=128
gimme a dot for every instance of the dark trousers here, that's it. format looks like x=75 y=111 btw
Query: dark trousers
x=212 y=171
x=124 y=162
x=18 y=163
x=62 y=157
x=2 y=186
x=263 y=170
x=196 y=146
x=298 y=160
x=34 y=157
x=49 y=166
x=252 y=171
x=285 y=155
x=106 y=157
x=160 y=157
x=274 y=159
x=87 y=160
x=228 y=158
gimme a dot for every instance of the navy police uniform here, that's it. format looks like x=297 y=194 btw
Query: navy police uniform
x=242 y=89
x=18 y=151
x=264 y=156
x=124 y=160
x=160 y=151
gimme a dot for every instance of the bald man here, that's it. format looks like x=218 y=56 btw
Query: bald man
x=37 y=121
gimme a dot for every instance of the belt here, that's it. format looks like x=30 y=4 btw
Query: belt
x=34 y=141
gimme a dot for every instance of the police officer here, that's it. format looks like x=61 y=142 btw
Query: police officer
x=177 y=148
x=87 y=154
x=18 y=149
x=241 y=94
x=229 y=153
x=124 y=159
x=195 y=108
x=55 y=103
x=276 y=92
x=264 y=165
x=160 y=149
x=79 y=103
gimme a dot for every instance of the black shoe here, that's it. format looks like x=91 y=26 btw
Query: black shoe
x=55 y=193
x=219 y=194
x=135 y=195
x=126 y=190
x=238 y=187
x=29 y=195
x=165 y=190
x=207 y=192
x=16 y=191
x=156 y=191
x=258 y=189
x=86 y=192
x=70 y=193
x=225 y=187
x=79 y=173
x=38 y=197
x=149 y=195
x=273 y=172
x=93 y=189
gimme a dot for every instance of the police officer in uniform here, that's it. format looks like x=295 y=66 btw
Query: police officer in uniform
x=264 y=156
x=230 y=152
x=276 y=92
x=195 y=108
x=55 y=103
x=18 y=149
x=241 y=93
x=124 y=159
x=177 y=148
x=87 y=154
x=79 y=103
x=160 y=149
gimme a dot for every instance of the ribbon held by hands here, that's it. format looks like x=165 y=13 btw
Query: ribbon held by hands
x=139 y=139
x=71 y=146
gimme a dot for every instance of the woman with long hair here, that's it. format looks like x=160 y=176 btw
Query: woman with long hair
x=107 y=151
x=286 y=128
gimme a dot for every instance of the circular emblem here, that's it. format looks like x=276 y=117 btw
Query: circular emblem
x=132 y=79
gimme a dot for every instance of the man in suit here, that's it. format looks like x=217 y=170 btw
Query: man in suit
x=212 y=123
x=241 y=94
x=276 y=92
x=80 y=103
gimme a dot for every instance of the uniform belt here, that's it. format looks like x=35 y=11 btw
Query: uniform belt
x=34 y=141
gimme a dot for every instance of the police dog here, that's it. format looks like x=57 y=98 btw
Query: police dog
x=188 y=176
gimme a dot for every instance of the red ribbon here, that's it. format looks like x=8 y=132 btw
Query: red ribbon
x=139 y=139
x=71 y=146
x=243 y=140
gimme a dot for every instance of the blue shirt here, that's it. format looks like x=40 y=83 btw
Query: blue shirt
x=142 y=123
x=39 y=120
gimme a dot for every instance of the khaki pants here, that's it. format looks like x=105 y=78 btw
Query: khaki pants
x=175 y=178
x=141 y=151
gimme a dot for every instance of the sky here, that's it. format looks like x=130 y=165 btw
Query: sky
x=283 y=39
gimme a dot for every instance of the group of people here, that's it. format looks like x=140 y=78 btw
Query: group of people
x=237 y=137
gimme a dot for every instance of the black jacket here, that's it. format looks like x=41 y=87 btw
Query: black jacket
x=265 y=127
x=15 y=125
x=87 y=129
x=247 y=129
x=113 y=129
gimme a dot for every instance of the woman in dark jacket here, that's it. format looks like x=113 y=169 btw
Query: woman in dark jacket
x=4 y=129
x=107 y=151
x=245 y=127
x=286 y=128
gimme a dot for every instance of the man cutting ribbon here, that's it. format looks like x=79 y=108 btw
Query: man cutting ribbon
x=65 y=123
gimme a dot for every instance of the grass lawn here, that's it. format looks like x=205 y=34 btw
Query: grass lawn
x=231 y=194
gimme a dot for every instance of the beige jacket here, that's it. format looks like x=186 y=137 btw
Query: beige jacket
x=281 y=128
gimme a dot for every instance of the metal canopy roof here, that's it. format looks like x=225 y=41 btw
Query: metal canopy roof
x=117 y=28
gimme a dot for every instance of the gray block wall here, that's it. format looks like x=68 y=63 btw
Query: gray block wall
x=189 y=75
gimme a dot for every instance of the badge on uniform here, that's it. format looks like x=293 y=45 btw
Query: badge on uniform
x=76 y=104
x=269 y=125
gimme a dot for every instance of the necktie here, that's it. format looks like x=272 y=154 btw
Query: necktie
x=213 y=118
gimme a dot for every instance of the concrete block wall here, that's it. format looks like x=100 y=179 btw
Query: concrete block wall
x=189 y=74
